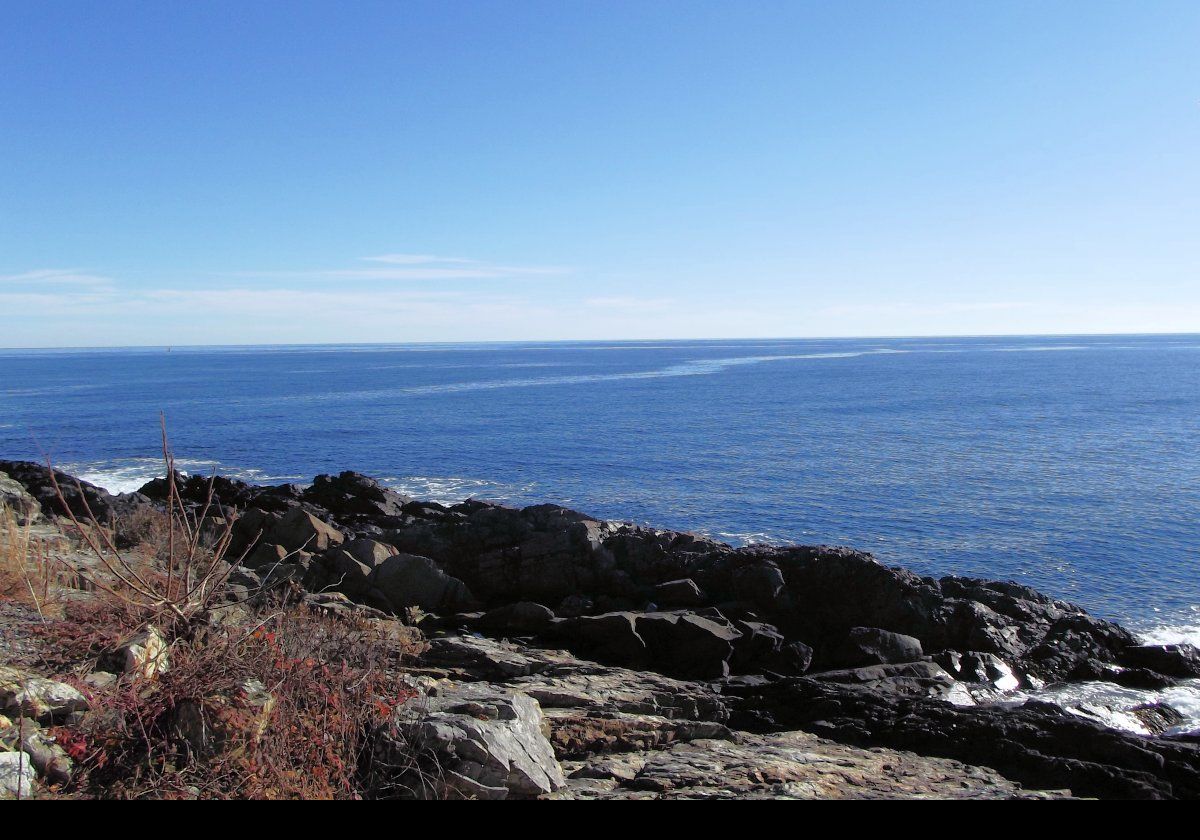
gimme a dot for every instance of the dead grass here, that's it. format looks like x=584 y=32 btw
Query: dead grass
x=272 y=702
x=29 y=572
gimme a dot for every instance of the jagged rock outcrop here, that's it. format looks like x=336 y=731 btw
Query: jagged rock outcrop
x=1038 y=745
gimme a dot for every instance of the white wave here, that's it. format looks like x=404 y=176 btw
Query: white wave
x=1111 y=704
x=126 y=475
x=449 y=490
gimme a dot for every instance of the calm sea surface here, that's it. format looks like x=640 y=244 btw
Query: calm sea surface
x=1072 y=464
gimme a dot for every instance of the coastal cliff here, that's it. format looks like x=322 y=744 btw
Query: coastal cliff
x=550 y=654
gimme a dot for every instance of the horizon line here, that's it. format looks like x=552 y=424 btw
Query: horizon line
x=895 y=337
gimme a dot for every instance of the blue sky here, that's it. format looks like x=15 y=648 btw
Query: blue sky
x=403 y=171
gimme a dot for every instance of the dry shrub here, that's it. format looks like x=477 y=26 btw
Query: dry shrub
x=29 y=573
x=279 y=710
x=191 y=568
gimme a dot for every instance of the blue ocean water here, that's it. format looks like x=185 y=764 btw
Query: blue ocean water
x=1068 y=463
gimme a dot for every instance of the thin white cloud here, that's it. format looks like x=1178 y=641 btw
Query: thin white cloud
x=628 y=303
x=56 y=277
x=414 y=267
x=416 y=259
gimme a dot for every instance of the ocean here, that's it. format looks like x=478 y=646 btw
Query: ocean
x=1071 y=464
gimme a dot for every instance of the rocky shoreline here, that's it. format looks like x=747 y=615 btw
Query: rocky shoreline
x=568 y=657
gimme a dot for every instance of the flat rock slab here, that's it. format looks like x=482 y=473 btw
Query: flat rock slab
x=789 y=765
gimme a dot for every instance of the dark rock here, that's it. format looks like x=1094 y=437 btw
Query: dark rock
x=872 y=646
x=1157 y=717
x=611 y=638
x=679 y=593
x=299 y=529
x=573 y=606
x=523 y=618
x=1181 y=661
x=909 y=679
x=410 y=581
x=1038 y=745
x=353 y=495
x=688 y=646
x=975 y=667
x=80 y=496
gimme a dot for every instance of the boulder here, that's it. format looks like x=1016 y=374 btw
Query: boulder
x=407 y=580
x=18 y=779
x=872 y=646
x=523 y=618
x=50 y=761
x=79 y=495
x=13 y=496
x=610 y=638
x=354 y=495
x=688 y=646
x=763 y=649
x=27 y=695
x=145 y=654
x=299 y=529
x=483 y=742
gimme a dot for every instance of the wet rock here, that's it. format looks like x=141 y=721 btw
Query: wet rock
x=979 y=668
x=1158 y=717
x=1037 y=745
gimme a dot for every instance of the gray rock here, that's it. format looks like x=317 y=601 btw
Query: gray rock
x=487 y=741
x=49 y=760
x=14 y=497
x=27 y=695
x=18 y=779
x=788 y=765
